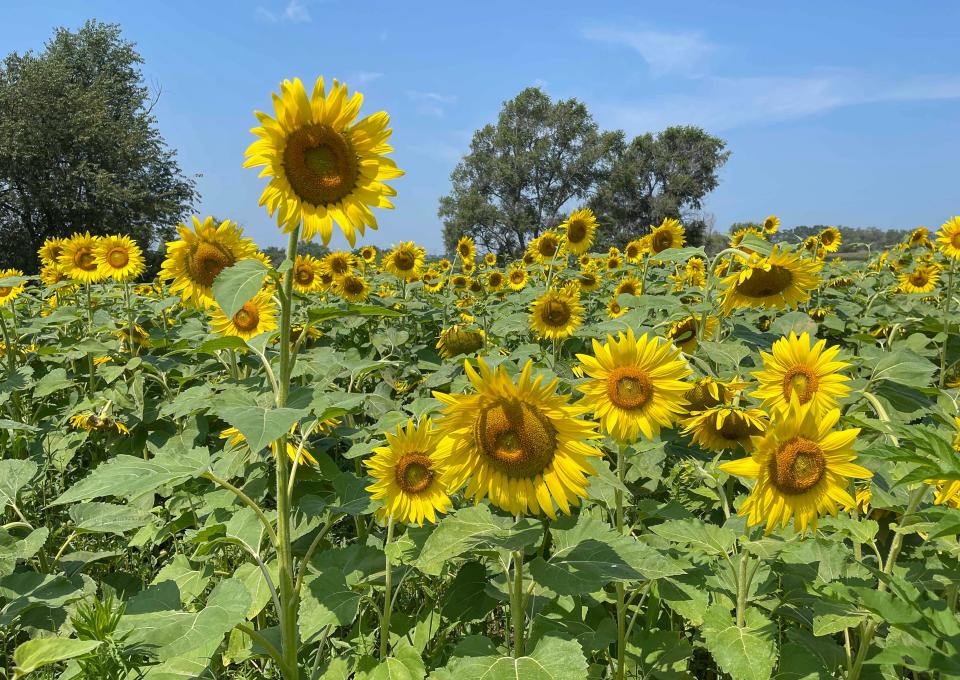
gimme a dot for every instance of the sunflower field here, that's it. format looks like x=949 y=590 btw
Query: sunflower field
x=641 y=463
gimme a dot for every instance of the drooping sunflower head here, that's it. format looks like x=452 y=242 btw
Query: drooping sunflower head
x=517 y=277
x=466 y=249
x=352 y=288
x=9 y=290
x=637 y=385
x=670 y=234
x=588 y=280
x=50 y=250
x=94 y=422
x=628 y=286
x=529 y=257
x=918 y=237
x=706 y=393
x=519 y=443
x=78 y=260
x=405 y=261
x=797 y=369
x=195 y=260
x=258 y=315
x=923 y=279
x=684 y=332
x=556 y=314
x=779 y=280
x=771 y=224
x=723 y=427
x=324 y=165
x=579 y=230
x=51 y=274
x=306 y=274
x=830 y=238
x=818 y=314
x=409 y=476
x=802 y=468
x=457 y=340
x=948 y=238
x=119 y=258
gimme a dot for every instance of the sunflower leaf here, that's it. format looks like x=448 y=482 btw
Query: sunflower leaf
x=747 y=653
x=237 y=284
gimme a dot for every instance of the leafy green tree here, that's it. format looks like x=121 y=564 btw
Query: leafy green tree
x=79 y=147
x=654 y=176
x=521 y=173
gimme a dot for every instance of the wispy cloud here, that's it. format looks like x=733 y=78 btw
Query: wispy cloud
x=666 y=53
x=295 y=12
x=718 y=103
x=364 y=77
x=432 y=103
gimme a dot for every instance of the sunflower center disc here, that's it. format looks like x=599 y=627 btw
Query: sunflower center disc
x=85 y=260
x=798 y=465
x=955 y=240
x=304 y=276
x=576 y=231
x=686 y=332
x=5 y=291
x=247 y=318
x=587 y=279
x=414 y=472
x=118 y=258
x=207 y=262
x=338 y=265
x=496 y=279
x=764 y=283
x=404 y=261
x=519 y=440
x=627 y=288
x=353 y=285
x=320 y=165
x=629 y=387
x=548 y=247
x=632 y=251
x=701 y=399
x=555 y=313
x=661 y=241
x=918 y=279
x=801 y=380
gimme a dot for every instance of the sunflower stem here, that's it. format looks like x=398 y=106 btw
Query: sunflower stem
x=131 y=325
x=289 y=602
x=90 y=366
x=743 y=585
x=621 y=590
x=946 y=326
x=387 y=594
x=516 y=605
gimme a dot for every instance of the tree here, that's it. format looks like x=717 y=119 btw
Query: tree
x=521 y=172
x=657 y=176
x=79 y=147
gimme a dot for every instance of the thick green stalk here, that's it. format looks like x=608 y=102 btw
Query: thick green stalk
x=516 y=605
x=90 y=365
x=621 y=590
x=743 y=585
x=289 y=602
x=946 y=327
x=387 y=595
x=131 y=321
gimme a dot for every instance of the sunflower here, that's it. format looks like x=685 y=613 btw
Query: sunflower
x=923 y=279
x=324 y=166
x=556 y=314
x=683 y=333
x=306 y=274
x=546 y=246
x=628 y=286
x=444 y=265
x=520 y=444
x=529 y=257
x=614 y=262
x=369 y=254
x=51 y=274
x=588 y=280
x=490 y=259
x=737 y=238
x=635 y=251
x=706 y=393
x=433 y=282
x=459 y=281
x=8 y=293
x=670 y=234
x=466 y=249
x=771 y=224
x=468 y=267
x=495 y=281
x=405 y=261
x=77 y=258
x=92 y=422
x=802 y=470
x=352 y=288
x=830 y=238
x=779 y=280
x=119 y=258
x=258 y=315
x=615 y=310
x=235 y=439
x=818 y=314
x=795 y=369
x=409 y=475
x=579 y=230
x=201 y=253
x=457 y=340
x=517 y=277
x=637 y=385
x=919 y=237
x=720 y=428
x=475 y=286
x=339 y=263
x=948 y=238
x=50 y=250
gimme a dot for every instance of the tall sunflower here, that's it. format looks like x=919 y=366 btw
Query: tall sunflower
x=495 y=281
x=795 y=369
x=119 y=258
x=258 y=315
x=339 y=263
x=520 y=444
x=409 y=475
x=670 y=234
x=579 y=230
x=50 y=250
x=771 y=224
x=466 y=249
x=405 y=261
x=369 y=254
x=801 y=468
x=324 y=165
x=948 y=238
x=77 y=258
x=637 y=385
x=779 y=280
x=306 y=274
x=635 y=251
x=556 y=314
x=722 y=427
x=352 y=288
x=517 y=277
x=615 y=310
x=923 y=279
x=629 y=286
x=457 y=340
x=201 y=253
x=546 y=246
x=830 y=239
x=9 y=293
x=588 y=280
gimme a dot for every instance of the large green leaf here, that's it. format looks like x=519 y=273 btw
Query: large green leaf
x=130 y=477
x=699 y=535
x=34 y=654
x=331 y=596
x=320 y=314
x=552 y=659
x=747 y=653
x=237 y=284
x=261 y=426
x=901 y=366
x=107 y=518
x=12 y=549
x=458 y=533
x=14 y=475
x=404 y=663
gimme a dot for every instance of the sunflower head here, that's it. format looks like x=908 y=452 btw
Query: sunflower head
x=257 y=315
x=579 y=230
x=556 y=314
x=771 y=224
x=635 y=250
x=588 y=280
x=10 y=290
x=628 y=286
x=495 y=280
x=723 y=427
x=457 y=340
x=779 y=280
x=707 y=393
x=352 y=288
x=517 y=277
x=684 y=332
x=119 y=258
x=405 y=261
x=466 y=249
x=670 y=234
x=546 y=246
x=797 y=369
x=615 y=310
x=78 y=260
x=369 y=254
x=50 y=250
x=923 y=279
x=325 y=167
x=830 y=239
x=948 y=238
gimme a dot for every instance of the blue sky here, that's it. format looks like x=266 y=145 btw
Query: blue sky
x=836 y=113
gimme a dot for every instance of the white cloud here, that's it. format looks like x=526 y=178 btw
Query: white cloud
x=295 y=12
x=431 y=103
x=666 y=53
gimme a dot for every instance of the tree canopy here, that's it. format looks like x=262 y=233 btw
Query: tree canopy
x=79 y=147
x=524 y=173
